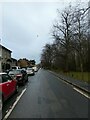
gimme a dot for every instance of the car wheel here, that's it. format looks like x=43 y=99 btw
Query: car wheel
x=27 y=78
x=33 y=73
x=23 y=83
x=16 y=91
x=1 y=102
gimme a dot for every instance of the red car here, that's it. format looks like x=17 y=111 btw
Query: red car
x=8 y=86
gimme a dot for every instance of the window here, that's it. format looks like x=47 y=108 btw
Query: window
x=5 y=78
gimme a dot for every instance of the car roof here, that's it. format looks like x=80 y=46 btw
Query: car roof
x=1 y=73
x=29 y=68
x=15 y=69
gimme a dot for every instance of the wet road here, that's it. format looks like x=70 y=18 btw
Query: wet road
x=47 y=96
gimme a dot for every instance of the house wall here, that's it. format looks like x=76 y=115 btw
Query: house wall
x=14 y=62
x=5 y=55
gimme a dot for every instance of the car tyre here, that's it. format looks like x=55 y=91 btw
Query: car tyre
x=27 y=78
x=23 y=83
x=16 y=91
x=1 y=102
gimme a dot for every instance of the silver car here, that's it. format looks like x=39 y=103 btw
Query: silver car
x=30 y=71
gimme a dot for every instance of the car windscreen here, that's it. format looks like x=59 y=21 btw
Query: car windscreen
x=14 y=68
x=15 y=72
x=5 y=78
x=29 y=68
x=11 y=72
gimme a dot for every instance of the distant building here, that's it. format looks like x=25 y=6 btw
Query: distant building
x=23 y=63
x=5 y=58
x=14 y=62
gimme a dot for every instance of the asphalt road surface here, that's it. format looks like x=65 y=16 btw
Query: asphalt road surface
x=46 y=96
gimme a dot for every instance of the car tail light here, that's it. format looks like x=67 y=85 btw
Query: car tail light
x=19 y=76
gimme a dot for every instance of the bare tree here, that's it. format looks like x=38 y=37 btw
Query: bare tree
x=62 y=32
x=79 y=29
x=46 y=56
x=70 y=49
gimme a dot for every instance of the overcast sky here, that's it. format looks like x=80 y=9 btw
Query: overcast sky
x=26 y=25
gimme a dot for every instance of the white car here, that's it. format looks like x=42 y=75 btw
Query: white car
x=30 y=71
x=35 y=68
x=15 y=67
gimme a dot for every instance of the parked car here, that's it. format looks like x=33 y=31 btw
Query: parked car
x=6 y=71
x=30 y=71
x=15 y=67
x=23 y=68
x=8 y=86
x=35 y=68
x=20 y=75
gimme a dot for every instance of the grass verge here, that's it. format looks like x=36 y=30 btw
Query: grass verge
x=85 y=76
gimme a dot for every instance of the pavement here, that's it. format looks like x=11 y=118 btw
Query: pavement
x=81 y=84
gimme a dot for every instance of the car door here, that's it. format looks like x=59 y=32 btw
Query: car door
x=5 y=86
x=12 y=84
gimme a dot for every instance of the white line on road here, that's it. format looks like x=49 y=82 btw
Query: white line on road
x=81 y=92
x=15 y=103
x=64 y=81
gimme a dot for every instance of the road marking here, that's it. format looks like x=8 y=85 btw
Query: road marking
x=81 y=92
x=15 y=103
x=64 y=81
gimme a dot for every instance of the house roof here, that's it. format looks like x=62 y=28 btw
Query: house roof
x=5 y=48
x=14 y=59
